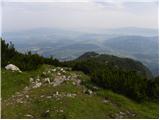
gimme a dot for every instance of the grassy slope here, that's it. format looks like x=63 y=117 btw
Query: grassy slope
x=81 y=106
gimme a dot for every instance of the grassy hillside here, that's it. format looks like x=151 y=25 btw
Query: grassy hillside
x=72 y=98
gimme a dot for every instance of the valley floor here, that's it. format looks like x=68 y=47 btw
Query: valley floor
x=54 y=92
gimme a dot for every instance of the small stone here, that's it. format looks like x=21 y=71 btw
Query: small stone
x=95 y=88
x=46 y=114
x=105 y=101
x=47 y=111
x=64 y=76
x=120 y=116
x=27 y=96
x=122 y=113
x=37 y=79
x=44 y=73
x=28 y=115
x=47 y=80
x=74 y=94
x=89 y=92
x=59 y=73
x=19 y=101
x=69 y=95
x=42 y=96
x=17 y=93
x=61 y=69
x=49 y=72
x=26 y=88
x=73 y=83
x=78 y=82
x=31 y=80
x=57 y=93
x=49 y=97
x=54 y=70
x=60 y=110
x=133 y=115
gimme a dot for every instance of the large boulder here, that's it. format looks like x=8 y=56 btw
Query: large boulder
x=12 y=67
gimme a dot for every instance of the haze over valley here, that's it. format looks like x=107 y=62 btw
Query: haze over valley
x=137 y=43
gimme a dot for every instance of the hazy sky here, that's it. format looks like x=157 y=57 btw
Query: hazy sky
x=87 y=14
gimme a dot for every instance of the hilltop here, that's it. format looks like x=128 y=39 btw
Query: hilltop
x=115 y=62
x=56 y=92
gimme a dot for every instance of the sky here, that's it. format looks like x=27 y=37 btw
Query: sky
x=17 y=15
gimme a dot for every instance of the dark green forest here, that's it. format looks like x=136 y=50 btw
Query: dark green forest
x=25 y=62
x=129 y=79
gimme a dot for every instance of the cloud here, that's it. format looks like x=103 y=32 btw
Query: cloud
x=44 y=1
x=90 y=15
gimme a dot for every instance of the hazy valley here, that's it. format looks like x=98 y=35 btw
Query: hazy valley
x=137 y=43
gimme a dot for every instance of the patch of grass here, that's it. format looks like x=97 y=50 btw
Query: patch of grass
x=142 y=110
x=13 y=82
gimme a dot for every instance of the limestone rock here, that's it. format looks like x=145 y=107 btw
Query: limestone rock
x=37 y=85
x=47 y=80
x=12 y=67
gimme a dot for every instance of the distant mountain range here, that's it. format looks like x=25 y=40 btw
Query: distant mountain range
x=137 y=43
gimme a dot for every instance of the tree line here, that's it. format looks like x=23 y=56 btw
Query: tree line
x=26 y=61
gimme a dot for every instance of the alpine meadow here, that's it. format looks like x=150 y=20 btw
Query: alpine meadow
x=82 y=59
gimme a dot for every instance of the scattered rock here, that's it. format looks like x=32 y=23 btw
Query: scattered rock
x=58 y=80
x=19 y=101
x=37 y=85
